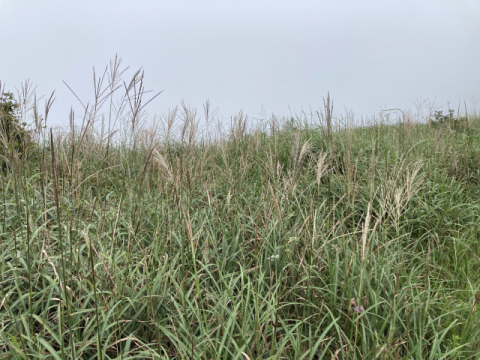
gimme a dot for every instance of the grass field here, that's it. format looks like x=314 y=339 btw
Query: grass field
x=286 y=240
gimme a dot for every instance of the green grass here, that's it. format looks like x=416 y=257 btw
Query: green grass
x=243 y=245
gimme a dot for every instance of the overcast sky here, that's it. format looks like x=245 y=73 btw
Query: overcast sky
x=263 y=54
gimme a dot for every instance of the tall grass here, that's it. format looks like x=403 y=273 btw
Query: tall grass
x=295 y=240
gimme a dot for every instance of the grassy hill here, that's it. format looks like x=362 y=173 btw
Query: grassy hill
x=284 y=241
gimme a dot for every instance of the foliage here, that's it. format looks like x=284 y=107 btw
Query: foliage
x=450 y=120
x=244 y=246
x=13 y=134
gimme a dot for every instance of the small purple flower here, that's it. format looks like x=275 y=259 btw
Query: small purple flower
x=359 y=309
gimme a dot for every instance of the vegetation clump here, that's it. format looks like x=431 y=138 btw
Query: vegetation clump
x=459 y=124
x=318 y=241
x=14 y=136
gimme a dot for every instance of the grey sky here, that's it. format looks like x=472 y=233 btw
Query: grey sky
x=249 y=54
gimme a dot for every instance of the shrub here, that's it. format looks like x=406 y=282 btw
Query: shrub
x=13 y=134
x=456 y=124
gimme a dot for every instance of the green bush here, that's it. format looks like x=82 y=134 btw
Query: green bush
x=458 y=124
x=13 y=134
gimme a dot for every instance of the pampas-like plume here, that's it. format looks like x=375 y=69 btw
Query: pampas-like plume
x=164 y=166
x=395 y=196
x=292 y=178
x=321 y=168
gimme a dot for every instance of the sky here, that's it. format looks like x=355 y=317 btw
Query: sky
x=262 y=57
